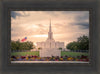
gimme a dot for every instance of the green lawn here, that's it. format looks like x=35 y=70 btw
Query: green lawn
x=73 y=53
x=25 y=53
x=37 y=53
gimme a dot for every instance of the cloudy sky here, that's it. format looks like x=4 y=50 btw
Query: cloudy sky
x=67 y=26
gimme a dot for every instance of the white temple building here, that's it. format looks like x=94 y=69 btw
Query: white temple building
x=50 y=47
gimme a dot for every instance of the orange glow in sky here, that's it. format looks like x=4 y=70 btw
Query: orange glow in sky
x=67 y=26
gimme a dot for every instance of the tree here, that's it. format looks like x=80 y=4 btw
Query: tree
x=60 y=49
x=13 y=46
x=18 y=46
x=82 y=43
x=73 y=46
x=39 y=48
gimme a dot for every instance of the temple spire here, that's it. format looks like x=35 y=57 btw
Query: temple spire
x=50 y=26
x=50 y=34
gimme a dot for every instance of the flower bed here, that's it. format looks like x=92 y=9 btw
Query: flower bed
x=53 y=58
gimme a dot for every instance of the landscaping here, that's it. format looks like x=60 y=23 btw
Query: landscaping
x=25 y=53
x=34 y=56
x=68 y=53
x=53 y=58
x=73 y=54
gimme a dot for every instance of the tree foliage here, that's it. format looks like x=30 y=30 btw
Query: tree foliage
x=39 y=48
x=18 y=46
x=82 y=43
x=60 y=49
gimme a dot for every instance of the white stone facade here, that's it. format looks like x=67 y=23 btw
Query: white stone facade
x=49 y=52
x=46 y=44
x=50 y=47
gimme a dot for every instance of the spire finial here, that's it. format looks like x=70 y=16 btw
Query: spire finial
x=50 y=26
x=50 y=21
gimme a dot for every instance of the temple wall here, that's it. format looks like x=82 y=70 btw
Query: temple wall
x=50 y=52
x=61 y=44
x=50 y=47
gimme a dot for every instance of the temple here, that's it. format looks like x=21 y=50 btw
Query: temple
x=50 y=47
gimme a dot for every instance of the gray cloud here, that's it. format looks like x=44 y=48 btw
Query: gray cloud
x=82 y=18
x=82 y=25
x=14 y=14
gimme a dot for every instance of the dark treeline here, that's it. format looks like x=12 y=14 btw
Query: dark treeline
x=21 y=46
x=82 y=43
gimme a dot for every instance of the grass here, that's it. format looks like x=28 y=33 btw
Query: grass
x=73 y=53
x=25 y=53
x=62 y=53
